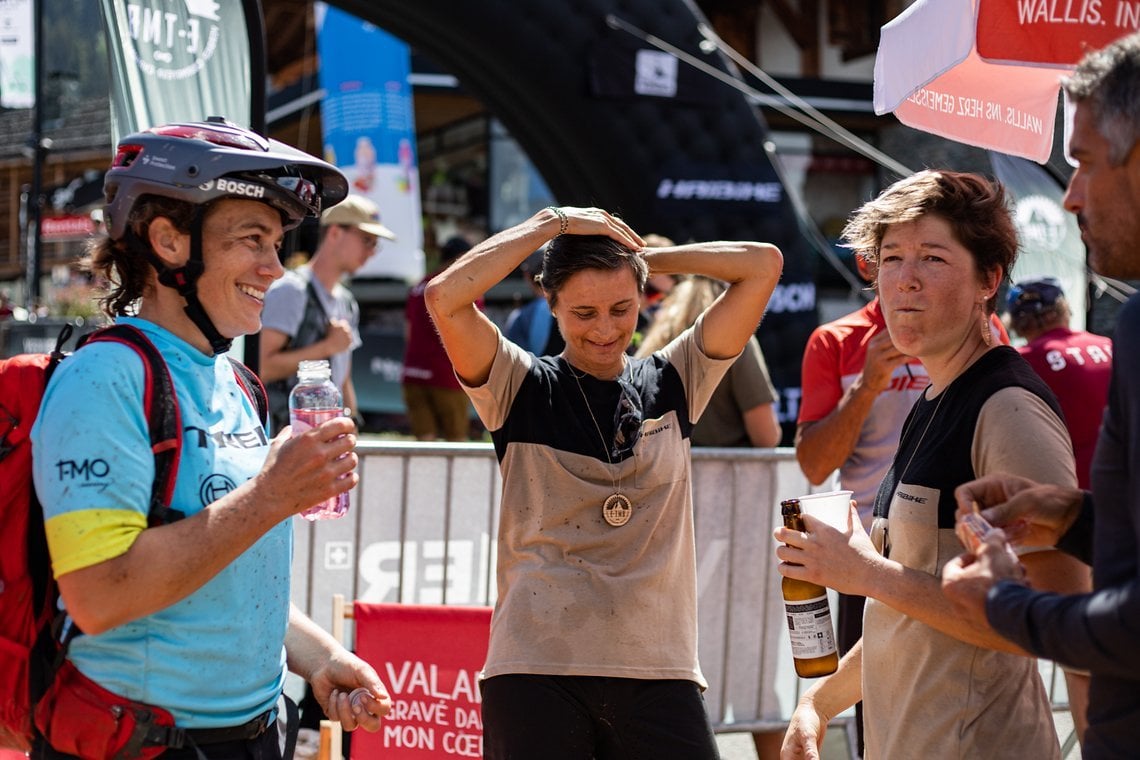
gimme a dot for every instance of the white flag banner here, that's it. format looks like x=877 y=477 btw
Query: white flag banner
x=177 y=60
x=17 y=54
x=1050 y=239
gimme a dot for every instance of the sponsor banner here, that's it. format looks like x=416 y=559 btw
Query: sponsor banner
x=429 y=657
x=1051 y=32
x=1050 y=238
x=75 y=227
x=718 y=189
x=17 y=56
x=369 y=131
x=176 y=60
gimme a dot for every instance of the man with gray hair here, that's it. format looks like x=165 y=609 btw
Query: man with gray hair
x=1096 y=631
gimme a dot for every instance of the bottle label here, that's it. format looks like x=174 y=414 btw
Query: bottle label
x=809 y=627
x=307 y=419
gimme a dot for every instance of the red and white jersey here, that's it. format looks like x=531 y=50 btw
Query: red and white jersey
x=833 y=359
x=1077 y=366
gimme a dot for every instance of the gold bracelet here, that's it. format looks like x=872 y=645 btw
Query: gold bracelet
x=564 y=222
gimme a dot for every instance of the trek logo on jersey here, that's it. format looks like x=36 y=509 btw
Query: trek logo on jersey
x=243 y=439
x=233 y=187
x=92 y=473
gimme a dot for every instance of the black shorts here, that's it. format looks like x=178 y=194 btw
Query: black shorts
x=594 y=718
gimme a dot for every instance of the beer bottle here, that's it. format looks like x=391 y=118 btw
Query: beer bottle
x=809 y=616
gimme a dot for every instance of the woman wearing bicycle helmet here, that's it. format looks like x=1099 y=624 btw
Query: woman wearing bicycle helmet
x=185 y=613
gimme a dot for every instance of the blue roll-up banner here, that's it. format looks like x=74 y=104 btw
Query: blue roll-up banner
x=176 y=60
x=369 y=131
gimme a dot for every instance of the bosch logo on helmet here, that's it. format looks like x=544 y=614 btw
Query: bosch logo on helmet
x=233 y=187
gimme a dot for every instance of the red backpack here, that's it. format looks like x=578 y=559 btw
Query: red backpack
x=29 y=652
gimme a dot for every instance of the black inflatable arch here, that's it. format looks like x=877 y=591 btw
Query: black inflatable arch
x=689 y=163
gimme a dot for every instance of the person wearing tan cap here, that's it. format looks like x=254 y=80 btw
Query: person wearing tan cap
x=309 y=314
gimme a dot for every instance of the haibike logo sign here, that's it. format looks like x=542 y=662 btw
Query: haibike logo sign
x=684 y=189
x=173 y=39
x=234 y=187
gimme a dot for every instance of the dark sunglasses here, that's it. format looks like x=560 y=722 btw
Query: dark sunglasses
x=627 y=419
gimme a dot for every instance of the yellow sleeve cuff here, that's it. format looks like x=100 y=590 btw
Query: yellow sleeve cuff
x=87 y=537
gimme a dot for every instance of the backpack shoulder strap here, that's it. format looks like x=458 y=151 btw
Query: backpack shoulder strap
x=163 y=417
x=314 y=298
x=251 y=384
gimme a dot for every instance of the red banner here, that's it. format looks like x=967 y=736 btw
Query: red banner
x=66 y=228
x=1051 y=32
x=429 y=657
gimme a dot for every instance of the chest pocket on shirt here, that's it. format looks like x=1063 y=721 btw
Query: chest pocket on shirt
x=659 y=453
x=912 y=528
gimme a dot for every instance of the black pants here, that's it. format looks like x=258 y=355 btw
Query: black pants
x=850 y=627
x=532 y=717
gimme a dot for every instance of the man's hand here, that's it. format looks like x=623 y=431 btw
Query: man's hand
x=338 y=338
x=1030 y=514
x=967 y=579
x=880 y=362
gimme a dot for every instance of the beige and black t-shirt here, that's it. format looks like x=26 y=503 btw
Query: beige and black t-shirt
x=577 y=596
x=927 y=694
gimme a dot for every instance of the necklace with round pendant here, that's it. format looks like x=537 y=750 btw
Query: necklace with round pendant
x=617 y=508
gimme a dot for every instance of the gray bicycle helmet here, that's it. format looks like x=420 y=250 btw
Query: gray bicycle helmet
x=200 y=162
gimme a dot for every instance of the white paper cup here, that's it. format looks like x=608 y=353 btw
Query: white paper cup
x=831 y=507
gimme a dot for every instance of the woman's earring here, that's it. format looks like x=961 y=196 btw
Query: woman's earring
x=987 y=333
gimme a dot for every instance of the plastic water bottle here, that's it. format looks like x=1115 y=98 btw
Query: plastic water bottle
x=313 y=400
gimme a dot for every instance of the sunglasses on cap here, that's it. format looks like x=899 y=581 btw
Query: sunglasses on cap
x=306 y=190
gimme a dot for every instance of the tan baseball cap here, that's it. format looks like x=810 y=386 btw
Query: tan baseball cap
x=357 y=211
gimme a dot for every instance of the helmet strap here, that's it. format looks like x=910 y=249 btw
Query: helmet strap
x=184 y=279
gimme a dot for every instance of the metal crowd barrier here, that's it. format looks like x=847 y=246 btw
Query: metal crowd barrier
x=423 y=521
x=422 y=526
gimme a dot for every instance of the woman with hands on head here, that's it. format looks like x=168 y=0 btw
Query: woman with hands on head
x=935 y=685
x=593 y=648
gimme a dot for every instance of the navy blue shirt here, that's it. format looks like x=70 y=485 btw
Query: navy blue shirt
x=1100 y=631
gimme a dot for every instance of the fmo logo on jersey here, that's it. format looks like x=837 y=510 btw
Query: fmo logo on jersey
x=173 y=39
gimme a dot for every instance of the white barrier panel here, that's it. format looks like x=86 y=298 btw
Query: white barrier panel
x=422 y=525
